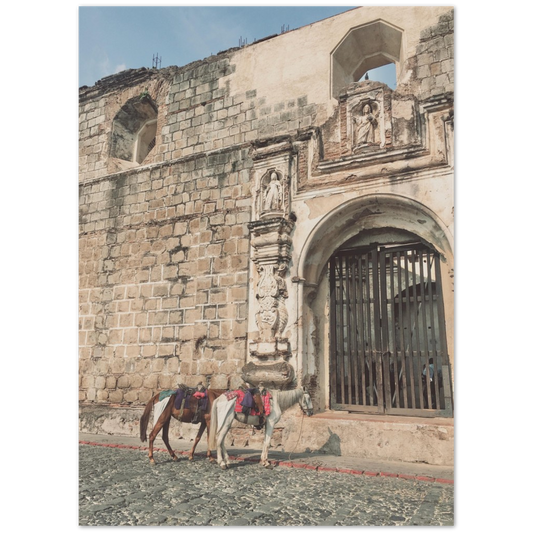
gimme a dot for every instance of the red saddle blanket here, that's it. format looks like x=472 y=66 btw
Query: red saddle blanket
x=239 y=394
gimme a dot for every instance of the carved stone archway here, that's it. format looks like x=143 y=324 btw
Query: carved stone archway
x=381 y=212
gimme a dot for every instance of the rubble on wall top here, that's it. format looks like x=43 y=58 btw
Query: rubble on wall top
x=125 y=78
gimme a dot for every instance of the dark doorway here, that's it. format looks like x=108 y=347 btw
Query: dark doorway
x=388 y=338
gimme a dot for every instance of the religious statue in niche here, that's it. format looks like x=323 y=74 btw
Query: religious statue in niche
x=364 y=126
x=272 y=198
x=273 y=194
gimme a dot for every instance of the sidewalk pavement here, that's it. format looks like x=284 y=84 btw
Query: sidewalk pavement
x=312 y=461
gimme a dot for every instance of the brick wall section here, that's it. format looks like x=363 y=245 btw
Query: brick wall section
x=164 y=259
x=92 y=137
x=434 y=62
x=202 y=116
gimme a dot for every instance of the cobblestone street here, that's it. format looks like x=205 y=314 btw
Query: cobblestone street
x=120 y=487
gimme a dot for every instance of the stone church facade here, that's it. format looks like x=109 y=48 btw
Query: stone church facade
x=264 y=216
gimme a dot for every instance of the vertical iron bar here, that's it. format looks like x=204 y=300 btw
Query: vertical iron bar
x=384 y=363
x=433 y=340
x=394 y=348
x=362 y=336
x=333 y=330
x=341 y=325
x=377 y=327
x=353 y=331
x=404 y=369
x=368 y=352
x=415 y=333
x=409 y=333
x=349 y=328
x=424 y=327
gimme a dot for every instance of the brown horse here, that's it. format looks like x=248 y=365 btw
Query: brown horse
x=185 y=415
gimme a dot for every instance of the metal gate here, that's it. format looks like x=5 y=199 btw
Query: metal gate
x=388 y=338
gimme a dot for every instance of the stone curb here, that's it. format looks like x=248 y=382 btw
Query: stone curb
x=286 y=464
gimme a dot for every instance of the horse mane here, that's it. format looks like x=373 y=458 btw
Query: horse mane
x=287 y=398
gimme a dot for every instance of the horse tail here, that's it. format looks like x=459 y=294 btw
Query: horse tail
x=146 y=417
x=212 y=444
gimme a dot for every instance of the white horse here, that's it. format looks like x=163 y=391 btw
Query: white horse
x=223 y=414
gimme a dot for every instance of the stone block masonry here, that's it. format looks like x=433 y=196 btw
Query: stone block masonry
x=163 y=286
x=212 y=196
x=164 y=249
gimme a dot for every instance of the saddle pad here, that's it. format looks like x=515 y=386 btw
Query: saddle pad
x=159 y=407
x=180 y=394
x=165 y=394
x=239 y=395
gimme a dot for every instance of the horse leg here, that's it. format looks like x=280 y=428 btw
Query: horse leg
x=164 y=419
x=167 y=442
x=222 y=454
x=153 y=435
x=269 y=430
x=209 y=454
x=201 y=430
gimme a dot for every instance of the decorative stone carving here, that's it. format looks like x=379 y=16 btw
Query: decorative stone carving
x=365 y=125
x=272 y=195
x=277 y=375
x=271 y=243
x=271 y=291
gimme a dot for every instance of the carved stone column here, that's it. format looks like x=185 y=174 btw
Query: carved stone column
x=271 y=244
x=269 y=347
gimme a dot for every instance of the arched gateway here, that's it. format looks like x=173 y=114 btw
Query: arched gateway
x=377 y=308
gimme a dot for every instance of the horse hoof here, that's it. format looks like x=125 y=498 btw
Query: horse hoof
x=152 y=462
x=224 y=467
x=191 y=458
x=174 y=458
x=211 y=460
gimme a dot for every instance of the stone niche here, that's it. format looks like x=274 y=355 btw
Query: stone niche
x=366 y=117
x=372 y=124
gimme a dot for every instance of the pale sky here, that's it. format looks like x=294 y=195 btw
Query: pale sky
x=112 y=39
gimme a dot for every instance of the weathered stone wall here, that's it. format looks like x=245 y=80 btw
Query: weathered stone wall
x=163 y=289
x=169 y=263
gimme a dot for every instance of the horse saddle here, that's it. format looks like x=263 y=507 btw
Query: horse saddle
x=186 y=399
x=252 y=404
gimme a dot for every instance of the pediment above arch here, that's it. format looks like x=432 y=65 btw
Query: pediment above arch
x=376 y=135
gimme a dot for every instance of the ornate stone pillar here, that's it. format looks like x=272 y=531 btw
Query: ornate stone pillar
x=269 y=349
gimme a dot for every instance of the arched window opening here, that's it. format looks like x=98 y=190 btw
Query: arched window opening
x=362 y=50
x=134 y=130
